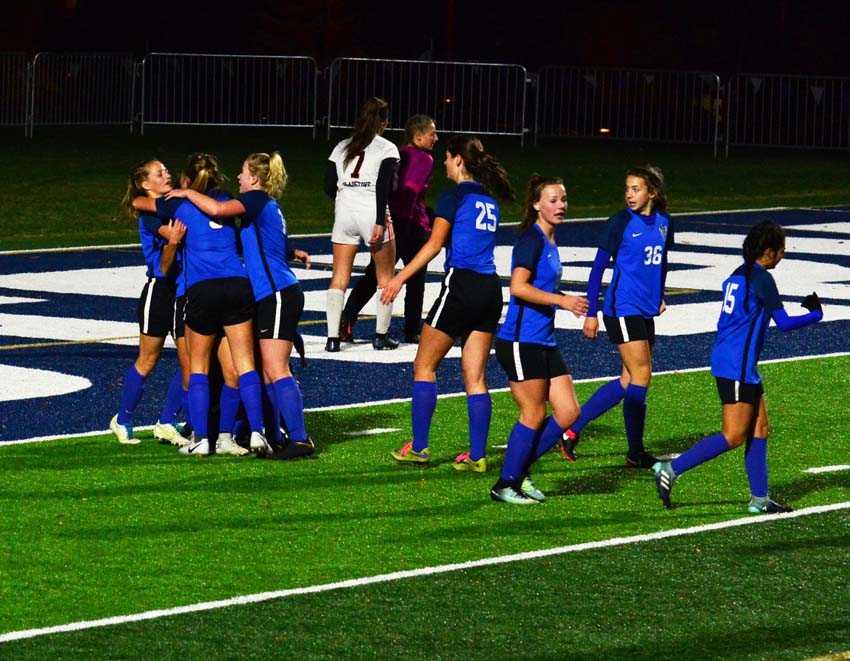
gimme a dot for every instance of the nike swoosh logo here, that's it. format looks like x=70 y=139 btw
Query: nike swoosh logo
x=634 y=234
x=215 y=225
x=192 y=448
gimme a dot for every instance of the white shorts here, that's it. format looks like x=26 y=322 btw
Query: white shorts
x=350 y=228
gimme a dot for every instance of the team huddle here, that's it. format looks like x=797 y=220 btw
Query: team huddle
x=219 y=281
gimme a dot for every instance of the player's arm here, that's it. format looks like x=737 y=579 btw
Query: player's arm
x=176 y=231
x=383 y=188
x=668 y=245
x=522 y=288
x=787 y=323
x=210 y=206
x=426 y=253
x=145 y=204
x=331 y=179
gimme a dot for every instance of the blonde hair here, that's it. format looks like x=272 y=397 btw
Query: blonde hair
x=203 y=172
x=269 y=170
x=140 y=172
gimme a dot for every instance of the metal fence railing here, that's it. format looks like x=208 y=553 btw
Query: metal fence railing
x=14 y=83
x=654 y=106
x=788 y=111
x=77 y=89
x=464 y=97
x=229 y=90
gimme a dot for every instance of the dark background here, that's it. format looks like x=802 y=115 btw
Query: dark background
x=783 y=36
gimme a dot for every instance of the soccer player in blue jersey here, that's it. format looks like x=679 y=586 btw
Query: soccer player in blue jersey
x=149 y=178
x=526 y=347
x=219 y=298
x=750 y=301
x=280 y=300
x=637 y=239
x=470 y=302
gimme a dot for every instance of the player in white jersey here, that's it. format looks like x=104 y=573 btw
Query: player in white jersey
x=360 y=176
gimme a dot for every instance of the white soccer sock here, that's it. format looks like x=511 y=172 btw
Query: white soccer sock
x=384 y=315
x=334 y=305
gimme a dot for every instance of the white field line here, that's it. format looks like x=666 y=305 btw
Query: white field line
x=817 y=470
x=401 y=400
x=371 y=432
x=320 y=235
x=415 y=573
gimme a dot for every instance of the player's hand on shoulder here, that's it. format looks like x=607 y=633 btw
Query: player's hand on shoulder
x=177 y=192
x=578 y=305
x=591 y=327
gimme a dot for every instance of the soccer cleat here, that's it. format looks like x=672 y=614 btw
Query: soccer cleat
x=259 y=444
x=201 y=448
x=332 y=345
x=406 y=454
x=346 y=329
x=766 y=506
x=511 y=496
x=168 y=433
x=643 y=460
x=124 y=433
x=383 y=342
x=532 y=491
x=292 y=449
x=664 y=479
x=463 y=462
x=226 y=445
x=568 y=444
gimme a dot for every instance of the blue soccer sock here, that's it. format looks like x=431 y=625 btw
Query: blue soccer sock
x=634 y=416
x=131 y=393
x=173 y=399
x=606 y=397
x=291 y=405
x=551 y=432
x=703 y=450
x=229 y=407
x=423 y=405
x=251 y=393
x=271 y=414
x=199 y=403
x=186 y=409
x=479 y=408
x=518 y=454
x=755 y=461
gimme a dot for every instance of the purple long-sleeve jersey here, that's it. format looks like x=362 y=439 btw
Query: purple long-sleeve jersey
x=407 y=203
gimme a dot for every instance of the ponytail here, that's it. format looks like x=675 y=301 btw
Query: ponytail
x=371 y=121
x=654 y=178
x=483 y=167
x=533 y=191
x=269 y=169
x=203 y=172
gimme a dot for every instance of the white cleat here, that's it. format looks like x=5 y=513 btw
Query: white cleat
x=124 y=433
x=201 y=448
x=532 y=491
x=226 y=445
x=169 y=433
x=259 y=444
x=510 y=495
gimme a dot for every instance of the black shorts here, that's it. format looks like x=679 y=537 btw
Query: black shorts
x=523 y=361
x=178 y=328
x=277 y=316
x=735 y=392
x=155 y=307
x=468 y=302
x=213 y=304
x=629 y=329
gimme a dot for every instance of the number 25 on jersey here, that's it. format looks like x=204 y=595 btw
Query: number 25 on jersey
x=486 y=219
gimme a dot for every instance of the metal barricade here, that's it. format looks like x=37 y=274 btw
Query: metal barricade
x=654 y=106
x=229 y=90
x=462 y=97
x=78 y=89
x=772 y=110
x=14 y=81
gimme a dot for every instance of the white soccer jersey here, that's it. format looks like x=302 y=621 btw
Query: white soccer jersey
x=356 y=180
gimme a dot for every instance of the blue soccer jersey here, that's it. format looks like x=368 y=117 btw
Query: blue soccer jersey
x=211 y=248
x=474 y=217
x=748 y=304
x=638 y=245
x=528 y=322
x=152 y=245
x=264 y=244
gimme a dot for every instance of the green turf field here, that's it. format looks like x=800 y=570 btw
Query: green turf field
x=68 y=183
x=92 y=529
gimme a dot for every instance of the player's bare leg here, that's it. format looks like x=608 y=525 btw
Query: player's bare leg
x=343 y=261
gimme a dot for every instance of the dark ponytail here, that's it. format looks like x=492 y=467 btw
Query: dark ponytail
x=533 y=191
x=371 y=121
x=483 y=167
x=762 y=237
x=654 y=178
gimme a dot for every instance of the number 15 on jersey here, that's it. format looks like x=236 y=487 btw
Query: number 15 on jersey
x=729 y=297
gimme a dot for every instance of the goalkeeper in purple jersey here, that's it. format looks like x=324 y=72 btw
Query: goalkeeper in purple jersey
x=750 y=301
